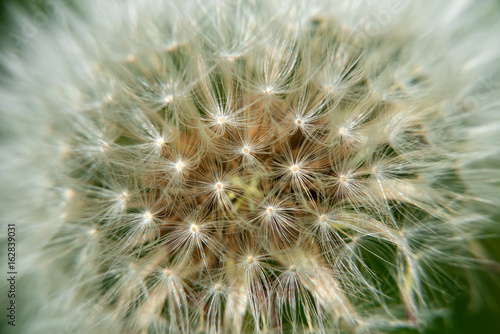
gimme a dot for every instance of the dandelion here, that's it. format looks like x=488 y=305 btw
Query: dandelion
x=249 y=166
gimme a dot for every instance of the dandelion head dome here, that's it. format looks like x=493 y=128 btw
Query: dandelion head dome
x=248 y=166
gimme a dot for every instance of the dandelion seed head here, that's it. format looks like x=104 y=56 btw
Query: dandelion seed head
x=249 y=167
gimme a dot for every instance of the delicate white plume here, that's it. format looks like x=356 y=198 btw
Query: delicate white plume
x=247 y=166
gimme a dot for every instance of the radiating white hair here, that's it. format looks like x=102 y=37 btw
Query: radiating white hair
x=249 y=165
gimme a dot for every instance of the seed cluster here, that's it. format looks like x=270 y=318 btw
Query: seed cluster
x=282 y=185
